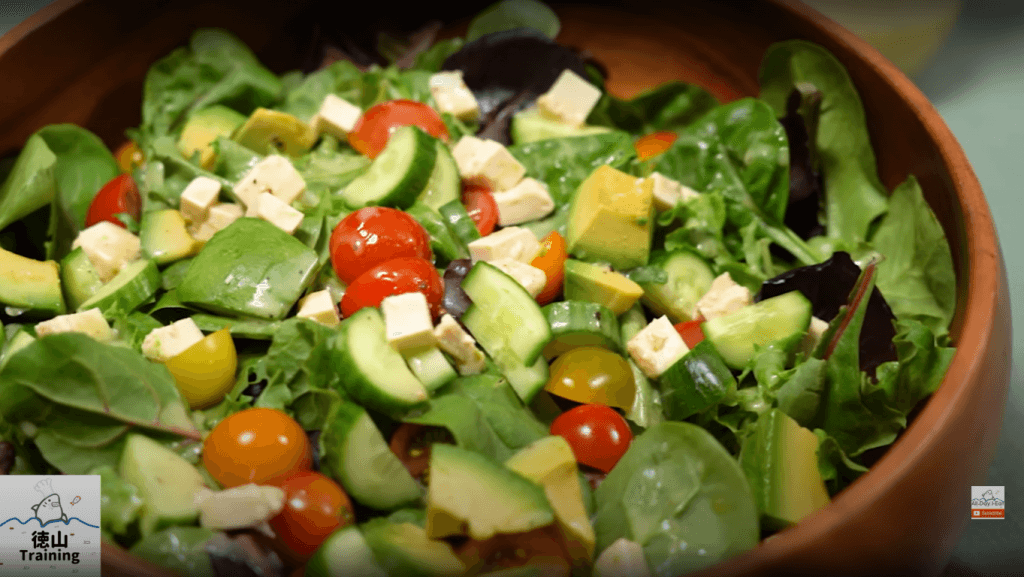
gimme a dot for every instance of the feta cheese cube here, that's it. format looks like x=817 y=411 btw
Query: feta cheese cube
x=220 y=216
x=198 y=197
x=724 y=297
x=274 y=174
x=277 y=212
x=526 y=201
x=668 y=193
x=813 y=337
x=569 y=100
x=487 y=161
x=512 y=242
x=336 y=117
x=319 y=307
x=239 y=507
x=530 y=277
x=657 y=347
x=453 y=96
x=407 y=321
x=455 y=341
x=164 y=343
x=90 y=322
x=109 y=248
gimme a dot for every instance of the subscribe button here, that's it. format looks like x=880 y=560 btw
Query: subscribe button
x=988 y=513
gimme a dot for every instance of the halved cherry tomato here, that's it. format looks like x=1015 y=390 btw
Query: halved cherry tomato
x=394 y=277
x=374 y=127
x=411 y=444
x=481 y=207
x=597 y=435
x=256 y=445
x=691 y=332
x=651 y=145
x=128 y=156
x=374 y=235
x=542 y=548
x=120 y=195
x=314 y=507
x=593 y=375
x=205 y=372
x=551 y=260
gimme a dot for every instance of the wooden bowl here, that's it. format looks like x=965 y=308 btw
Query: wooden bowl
x=83 y=61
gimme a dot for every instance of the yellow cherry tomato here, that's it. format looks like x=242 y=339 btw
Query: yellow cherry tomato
x=593 y=375
x=128 y=156
x=205 y=372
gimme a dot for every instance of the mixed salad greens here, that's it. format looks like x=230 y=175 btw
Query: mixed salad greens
x=463 y=312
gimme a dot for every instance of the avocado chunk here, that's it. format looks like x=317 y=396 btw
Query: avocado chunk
x=249 y=268
x=405 y=549
x=273 y=132
x=30 y=284
x=471 y=494
x=586 y=281
x=611 y=219
x=344 y=554
x=167 y=483
x=164 y=236
x=203 y=127
x=529 y=125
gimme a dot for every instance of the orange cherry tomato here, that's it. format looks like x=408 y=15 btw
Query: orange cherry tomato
x=551 y=260
x=374 y=127
x=691 y=332
x=128 y=156
x=597 y=435
x=374 y=235
x=394 y=277
x=119 y=196
x=256 y=445
x=480 y=205
x=314 y=507
x=653 y=144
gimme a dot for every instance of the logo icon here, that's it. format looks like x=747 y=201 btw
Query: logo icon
x=988 y=502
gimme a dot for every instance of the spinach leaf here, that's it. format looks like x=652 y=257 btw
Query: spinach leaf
x=167 y=173
x=84 y=164
x=800 y=394
x=509 y=14
x=32 y=182
x=232 y=160
x=673 y=106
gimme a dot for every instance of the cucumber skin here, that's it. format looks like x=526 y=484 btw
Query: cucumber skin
x=408 y=187
x=737 y=347
x=666 y=299
x=695 y=382
x=143 y=287
x=78 y=278
x=524 y=300
x=441 y=188
x=459 y=222
x=569 y=318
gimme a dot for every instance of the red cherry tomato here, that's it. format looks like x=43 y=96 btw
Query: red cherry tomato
x=394 y=277
x=374 y=235
x=551 y=260
x=256 y=445
x=691 y=332
x=374 y=127
x=120 y=195
x=314 y=507
x=651 y=145
x=597 y=435
x=481 y=207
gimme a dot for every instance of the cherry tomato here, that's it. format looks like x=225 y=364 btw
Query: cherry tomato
x=651 y=145
x=551 y=260
x=256 y=445
x=597 y=434
x=314 y=507
x=128 y=156
x=411 y=444
x=205 y=372
x=691 y=332
x=374 y=127
x=374 y=235
x=481 y=207
x=120 y=195
x=593 y=375
x=543 y=548
x=394 y=277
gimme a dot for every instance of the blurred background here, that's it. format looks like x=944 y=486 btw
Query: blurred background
x=968 y=59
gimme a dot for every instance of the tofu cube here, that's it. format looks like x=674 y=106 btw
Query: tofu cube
x=487 y=161
x=165 y=343
x=724 y=297
x=526 y=201
x=453 y=96
x=452 y=339
x=220 y=216
x=239 y=507
x=530 y=277
x=278 y=213
x=274 y=174
x=336 y=117
x=657 y=347
x=512 y=242
x=198 y=197
x=319 y=307
x=668 y=193
x=109 y=248
x=813 y=337
x=90 y=322
x=407 y=321
x=569 y=100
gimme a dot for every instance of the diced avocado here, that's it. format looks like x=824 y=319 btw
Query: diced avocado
x=592 y=282
x=20 y=340
x=273 y=132
x=780 y=459
x=529 y=125
x=471 y=494
x=203 y=127
x=165 y=238
x=404 y=549
x=30 y=284
x=134 y=285
x=249 y=268
x=167 y=483
x=78 y=278
x=551 y=463
x=612 y=218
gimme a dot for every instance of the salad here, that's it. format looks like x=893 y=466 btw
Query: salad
x=463 y=312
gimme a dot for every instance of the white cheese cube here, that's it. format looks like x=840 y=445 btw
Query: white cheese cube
x=813 y=337
x=623 y=558
x=526 y=201
x=336 y=117
x=487 y=161
x=198 y=197
x=239 y=507
x=455 y=341
x=724 y=297
x=407 y=321
x=274 y=174
x=569 y=100
x=220 y=216
x=531 y=277
x=90 y=322
x=453 y=96
x=164 y=343
x=512 y=242
x=657 y=347
x=668 y=193
x=278 y=213
x=319 y=307
x=109 y=248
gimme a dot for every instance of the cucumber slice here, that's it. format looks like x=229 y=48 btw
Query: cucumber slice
x=459 y=221
x=578 y=324
x=781 y=319
x=430 y=367
x=344 y=554
x=695 y=382
x=167 y=483
x=445 y=244
x=445 y=183
x=529 y=126
x=134 y=285
x=689 y=278
x=398 y=174
x=78 y=278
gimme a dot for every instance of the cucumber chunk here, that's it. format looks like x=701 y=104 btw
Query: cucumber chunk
x=782 y=319
x=445 y=183
x=579 y=324
x=78 y=278
x=134 y=285
x=689 y=278
x=399 y=173
x=695 y=382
